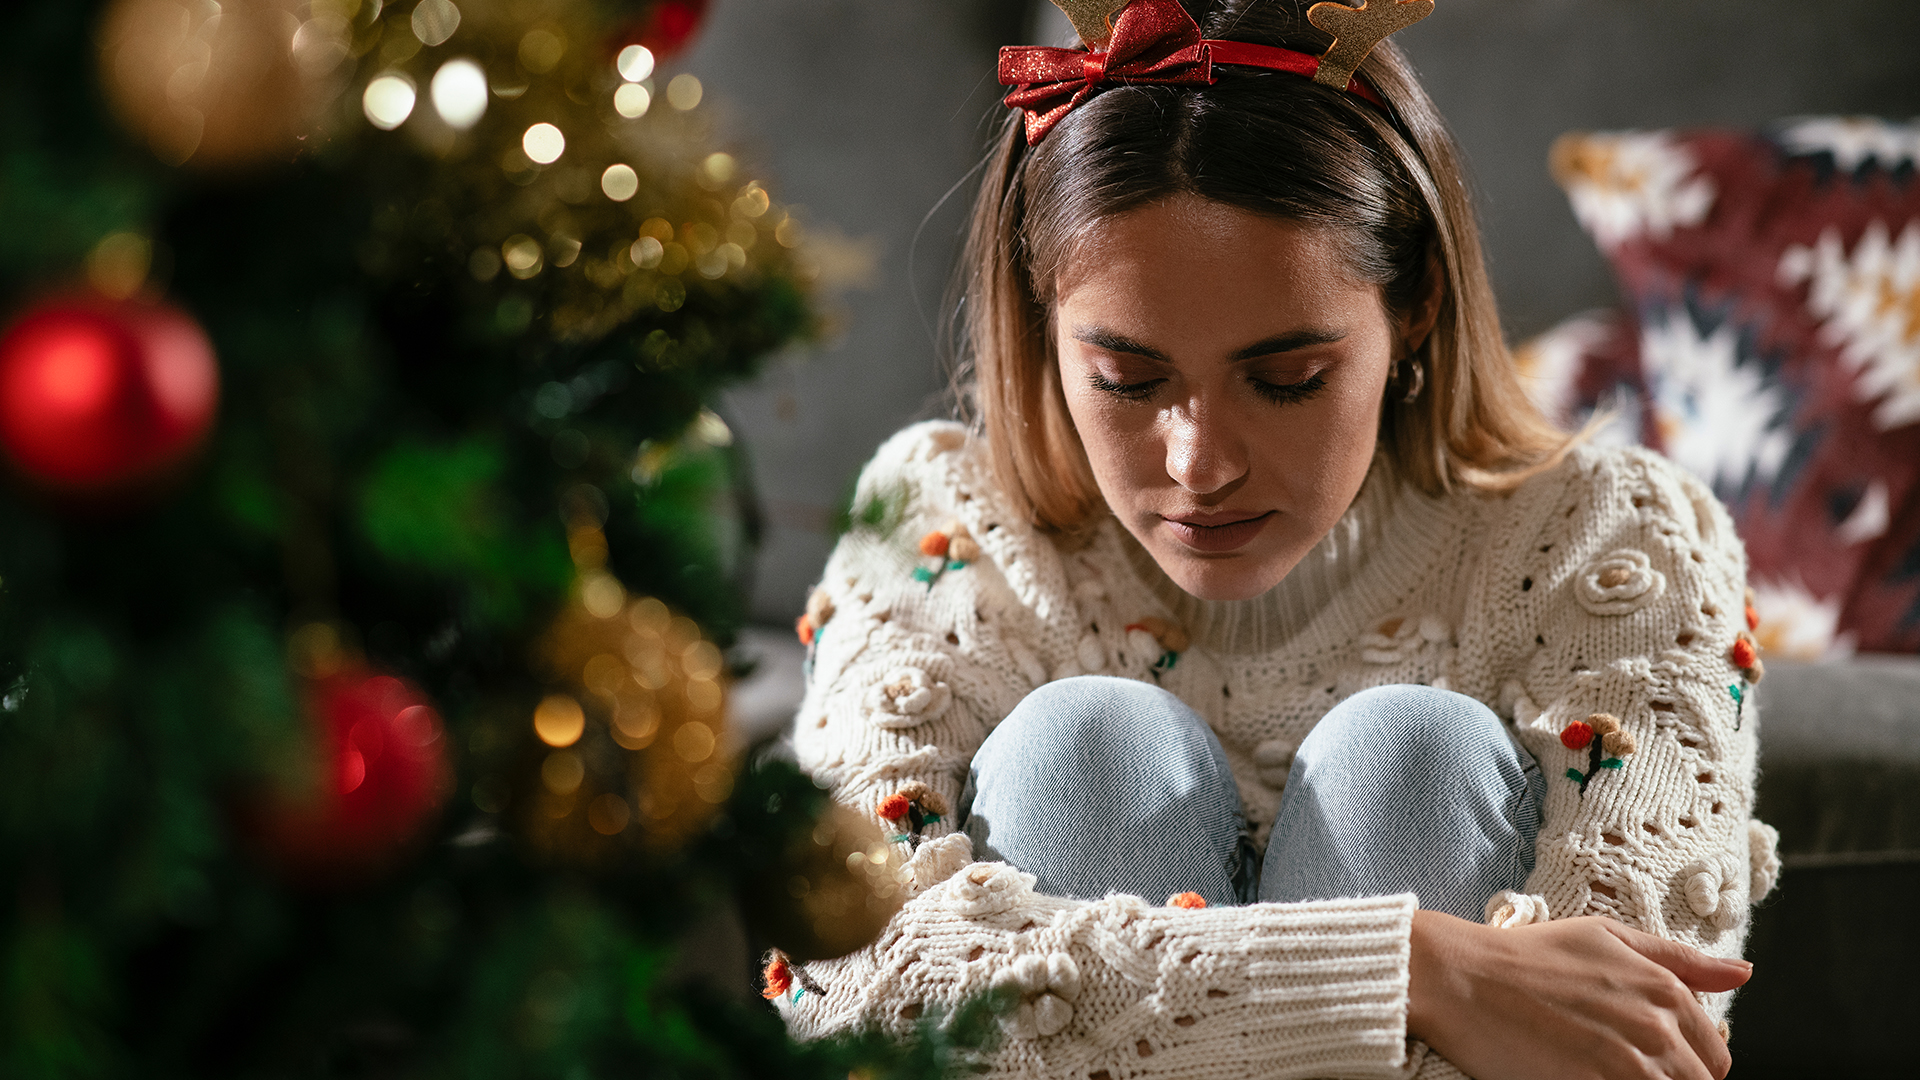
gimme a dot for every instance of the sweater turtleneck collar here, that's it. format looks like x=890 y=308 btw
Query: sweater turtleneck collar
x=1266 y=622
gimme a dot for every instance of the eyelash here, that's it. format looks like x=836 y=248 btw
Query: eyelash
x=1289 y=394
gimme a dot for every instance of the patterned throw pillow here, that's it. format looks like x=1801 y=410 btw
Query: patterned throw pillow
x=1772 y=347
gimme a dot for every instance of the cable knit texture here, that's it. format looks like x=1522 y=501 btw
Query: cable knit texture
x=1611 y=584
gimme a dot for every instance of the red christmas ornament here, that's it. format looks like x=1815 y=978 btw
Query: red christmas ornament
x=378 y=785
x=98 y=395
x=670 y=25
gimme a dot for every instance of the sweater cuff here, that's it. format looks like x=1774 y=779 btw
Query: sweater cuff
x=1297 y=990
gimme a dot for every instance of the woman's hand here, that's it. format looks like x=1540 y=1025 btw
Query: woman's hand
x=1575 y=998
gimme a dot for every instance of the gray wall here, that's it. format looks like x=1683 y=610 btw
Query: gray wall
x=1510 y=75
x=866 y=112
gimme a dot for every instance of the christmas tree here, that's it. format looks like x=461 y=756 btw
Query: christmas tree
x=368 y=554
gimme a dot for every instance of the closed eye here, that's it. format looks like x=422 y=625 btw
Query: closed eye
x=1289 y=393
x=1139 y=391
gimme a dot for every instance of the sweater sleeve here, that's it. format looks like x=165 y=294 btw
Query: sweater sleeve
x=1637 y=697
x=922 y=655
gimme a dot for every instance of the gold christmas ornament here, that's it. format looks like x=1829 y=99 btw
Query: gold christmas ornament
x=1092 y=19
x=1357 y=30
x=224 y=84
x=633 y=749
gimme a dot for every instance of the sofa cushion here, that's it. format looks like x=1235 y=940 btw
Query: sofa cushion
x=1771 y=344
x=1840 y=761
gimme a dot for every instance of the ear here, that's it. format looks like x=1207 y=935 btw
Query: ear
x=1418 y=323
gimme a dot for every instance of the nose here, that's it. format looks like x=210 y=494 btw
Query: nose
x=1203 y=455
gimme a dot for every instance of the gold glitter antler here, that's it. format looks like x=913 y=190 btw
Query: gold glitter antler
x=1357 y=30
x=1092 y=18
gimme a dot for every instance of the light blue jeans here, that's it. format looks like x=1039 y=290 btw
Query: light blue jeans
x=1099 y=785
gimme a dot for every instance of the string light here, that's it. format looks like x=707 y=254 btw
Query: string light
x=522 y=255
x=543 y=143
x=620 y=182
x=539 y=112
x=559 y=721
x=634 y=63
x=718 y=168
x=434 y=21
x=632 y=100
x=459 y=92
x=388 y=101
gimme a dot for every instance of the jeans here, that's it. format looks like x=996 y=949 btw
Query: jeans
x=1098 y=785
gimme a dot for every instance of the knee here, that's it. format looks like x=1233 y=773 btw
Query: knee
x=1093 y=707
x=1406 y=721
x=1096 y=718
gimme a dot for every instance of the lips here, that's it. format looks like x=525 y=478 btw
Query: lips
x=1217 y=534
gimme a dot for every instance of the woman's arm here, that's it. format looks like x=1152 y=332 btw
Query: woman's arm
x=909 y=674
x=1568 y=999
x=1637 y=702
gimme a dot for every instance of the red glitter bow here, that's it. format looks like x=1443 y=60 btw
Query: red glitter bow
x=1154 y=41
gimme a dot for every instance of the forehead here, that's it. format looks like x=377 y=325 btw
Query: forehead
x=1209 y=260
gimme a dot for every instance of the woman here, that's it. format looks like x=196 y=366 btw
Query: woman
x=1266 y=688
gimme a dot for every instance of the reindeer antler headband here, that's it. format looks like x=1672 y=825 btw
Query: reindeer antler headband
x=1156 y=41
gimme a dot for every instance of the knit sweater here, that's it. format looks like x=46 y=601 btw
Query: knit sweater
x=1608 y=587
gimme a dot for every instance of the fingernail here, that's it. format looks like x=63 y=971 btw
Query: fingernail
x=1743 y=965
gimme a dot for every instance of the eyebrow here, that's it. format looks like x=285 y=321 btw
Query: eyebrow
x=1102 y=338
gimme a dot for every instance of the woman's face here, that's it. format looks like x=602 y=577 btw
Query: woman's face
x=1225 y=372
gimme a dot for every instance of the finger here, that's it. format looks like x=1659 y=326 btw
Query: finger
x=1703 y=1035
x=1699 y=971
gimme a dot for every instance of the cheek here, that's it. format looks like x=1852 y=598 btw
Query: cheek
x=1319 y=452
x=1118 y=441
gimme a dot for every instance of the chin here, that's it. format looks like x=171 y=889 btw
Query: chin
x=1233 y=578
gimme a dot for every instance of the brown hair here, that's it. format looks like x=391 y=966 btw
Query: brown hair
x=1271 y=143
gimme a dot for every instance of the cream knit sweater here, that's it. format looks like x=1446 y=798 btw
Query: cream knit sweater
x=1611 y=584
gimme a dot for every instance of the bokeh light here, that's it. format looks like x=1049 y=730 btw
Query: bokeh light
x=635 y=63
x=563 y=772
x=632 y=101
x=694 y=742
x=602 y=595
x=646 y=252
x=434 y=21
x=459 y=92
x=752 y=203
x=608 y=814
x=388 y=101
x=541 y=50
x=544 y=143
x=685 y=91
x=559 y=720
x=620 y=182
x=119 y=263
x=522 y=255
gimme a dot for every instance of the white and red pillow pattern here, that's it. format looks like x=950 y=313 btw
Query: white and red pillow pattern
x=1772 y=347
